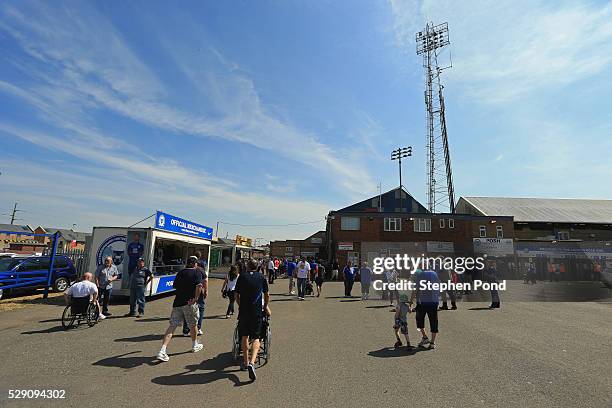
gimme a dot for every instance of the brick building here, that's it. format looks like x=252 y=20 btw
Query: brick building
x=396 y=223
x=314 y=245
x=571 y=236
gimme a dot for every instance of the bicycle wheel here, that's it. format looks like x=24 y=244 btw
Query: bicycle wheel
x=67 y=318
x=236 y=345
x=92 y=314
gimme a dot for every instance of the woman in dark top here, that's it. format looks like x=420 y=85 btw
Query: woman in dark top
x=228 y=289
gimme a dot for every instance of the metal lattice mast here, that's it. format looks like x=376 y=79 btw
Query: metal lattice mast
x=440 y=191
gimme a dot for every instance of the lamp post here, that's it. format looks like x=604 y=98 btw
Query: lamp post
x=398 y=154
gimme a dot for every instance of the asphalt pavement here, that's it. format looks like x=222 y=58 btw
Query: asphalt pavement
x=327 y=351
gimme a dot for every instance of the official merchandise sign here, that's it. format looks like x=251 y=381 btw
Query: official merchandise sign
x=494 y=246
x=171 y=223
x=345 y=246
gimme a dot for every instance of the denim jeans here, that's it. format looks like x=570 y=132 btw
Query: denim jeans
x=301 y=284
x=105 y=295
x=201 y=307
x=137 y=297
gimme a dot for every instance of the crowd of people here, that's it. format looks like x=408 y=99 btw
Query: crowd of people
x=247 y=285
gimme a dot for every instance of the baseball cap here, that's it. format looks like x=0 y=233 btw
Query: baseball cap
x=192 y=258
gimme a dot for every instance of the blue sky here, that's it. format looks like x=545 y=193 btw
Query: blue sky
x=274 y=112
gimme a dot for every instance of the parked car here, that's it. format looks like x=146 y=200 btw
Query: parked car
x=64 y=272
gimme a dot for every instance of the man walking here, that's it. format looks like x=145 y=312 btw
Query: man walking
x=253 y=298
x=139 y=279
x=365 y=274
x=106 y=274
x=349 y=278
x=201 y=267
x=270 y=271
x=188 y=287
x=290 y=272
x=491 y=277
x=427 y=305
x=303 y=270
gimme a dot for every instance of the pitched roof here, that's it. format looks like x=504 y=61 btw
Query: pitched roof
x=390 y=203
x=15 y=228
x=67 y=234
x=559 y=210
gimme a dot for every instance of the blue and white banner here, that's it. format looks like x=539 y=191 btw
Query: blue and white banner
x=163 y=284
x=171 y=223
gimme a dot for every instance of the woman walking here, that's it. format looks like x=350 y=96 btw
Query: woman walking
x=228 y=289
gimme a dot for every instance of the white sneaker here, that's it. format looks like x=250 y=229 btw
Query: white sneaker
x=200 y=332
x=197 y=348
x=162 y=356
x=101 y=316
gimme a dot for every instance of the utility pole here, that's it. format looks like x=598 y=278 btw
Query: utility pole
x=398 y=154
x=15 y=211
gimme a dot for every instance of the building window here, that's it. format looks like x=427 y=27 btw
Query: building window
x=563 y=235
x=393 y=224
x=499 y=231
x=483 y=231
x=451 y=223
x=349 y=223
x=422 y=225
x=441 y=222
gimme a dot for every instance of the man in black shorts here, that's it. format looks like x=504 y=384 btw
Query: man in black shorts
x=252 y=297
x=427 y=305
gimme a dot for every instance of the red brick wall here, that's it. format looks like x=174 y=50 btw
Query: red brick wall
x=372 y=229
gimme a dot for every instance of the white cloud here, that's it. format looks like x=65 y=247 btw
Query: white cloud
x=96 y=68
x=166 y=182
x=507 y=49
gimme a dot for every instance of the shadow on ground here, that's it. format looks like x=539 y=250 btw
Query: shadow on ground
x=390 y=352
x=221 y=367
x=138 y=339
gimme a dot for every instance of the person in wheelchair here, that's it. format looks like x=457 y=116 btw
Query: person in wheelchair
x=252 y=297
x=79 y=295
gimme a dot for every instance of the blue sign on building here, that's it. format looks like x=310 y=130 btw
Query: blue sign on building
x=165 y=284
x=171 y=223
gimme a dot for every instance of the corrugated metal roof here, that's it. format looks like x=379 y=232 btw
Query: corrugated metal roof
x=563 y=210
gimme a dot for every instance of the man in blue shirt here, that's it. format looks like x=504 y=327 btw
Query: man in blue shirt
x=314 y=267
x=135 y=250
x=349 y=278
x=427 y=296
x=291 y=265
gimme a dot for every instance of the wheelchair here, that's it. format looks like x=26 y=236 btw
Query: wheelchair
x=265 y=339
x=80 y=310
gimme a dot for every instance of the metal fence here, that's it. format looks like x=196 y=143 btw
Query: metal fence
x=79 y=258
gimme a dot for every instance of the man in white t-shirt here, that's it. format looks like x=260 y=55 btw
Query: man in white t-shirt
x=303 y=271
x=83 y=289
x=270 y=271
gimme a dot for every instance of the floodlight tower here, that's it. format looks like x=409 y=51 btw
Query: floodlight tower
x=398 y=155
x=430 y=43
